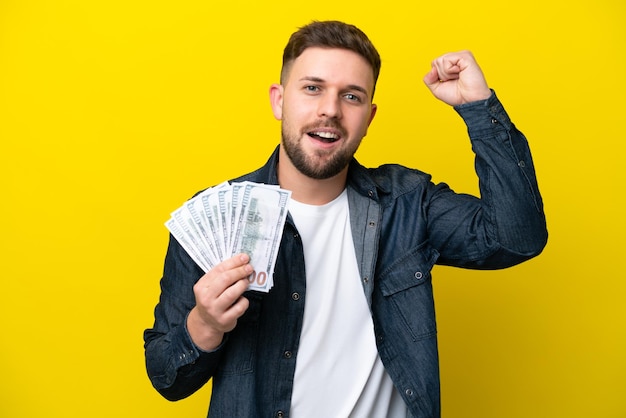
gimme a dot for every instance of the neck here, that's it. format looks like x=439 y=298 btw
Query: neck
x=306 y=189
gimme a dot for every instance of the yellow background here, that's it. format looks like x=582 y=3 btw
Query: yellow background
x=112 y=113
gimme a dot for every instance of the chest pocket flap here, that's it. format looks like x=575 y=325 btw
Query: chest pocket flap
x=412 y=269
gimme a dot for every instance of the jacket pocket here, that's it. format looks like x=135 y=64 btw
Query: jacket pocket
x=407 y=287
x=239 y=350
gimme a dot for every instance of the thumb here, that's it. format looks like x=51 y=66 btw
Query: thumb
x=432 y=78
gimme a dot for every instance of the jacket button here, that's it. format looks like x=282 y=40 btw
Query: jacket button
x=280 y=414
x=409 y=392
x=295 y=296
x=287 y=354
x=418 y=275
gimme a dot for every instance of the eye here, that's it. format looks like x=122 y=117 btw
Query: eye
x=353 y=97
x=311 y=89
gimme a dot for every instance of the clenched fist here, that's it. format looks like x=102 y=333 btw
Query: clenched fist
x=456 y=78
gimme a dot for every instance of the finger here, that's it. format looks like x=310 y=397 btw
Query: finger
x=216 y=291
x=448 y=68
x=220 y=309
x=232 y=293
x=233 y=262
x=432 y=78
x=234 y=312
x=224 y=268
x=224 y=289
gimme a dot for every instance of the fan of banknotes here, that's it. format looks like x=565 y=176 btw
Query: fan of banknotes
x=234 y=218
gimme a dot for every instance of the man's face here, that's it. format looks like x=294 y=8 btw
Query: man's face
x=325 y=108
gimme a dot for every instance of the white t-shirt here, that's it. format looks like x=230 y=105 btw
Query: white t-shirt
x=338 y=370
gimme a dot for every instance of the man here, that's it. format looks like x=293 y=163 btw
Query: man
x=349 y=327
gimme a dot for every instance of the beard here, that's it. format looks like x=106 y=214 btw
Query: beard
x=321 y=165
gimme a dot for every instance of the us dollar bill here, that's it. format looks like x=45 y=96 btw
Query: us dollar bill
x=259 y=230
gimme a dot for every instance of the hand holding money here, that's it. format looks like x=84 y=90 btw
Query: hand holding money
x=234 y=218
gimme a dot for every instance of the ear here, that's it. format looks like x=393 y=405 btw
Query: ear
x=372 y=114
x=276 y=100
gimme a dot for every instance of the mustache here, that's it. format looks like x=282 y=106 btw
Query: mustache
x=330 y=123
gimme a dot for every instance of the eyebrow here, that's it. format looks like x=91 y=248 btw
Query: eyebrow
x=350 y=86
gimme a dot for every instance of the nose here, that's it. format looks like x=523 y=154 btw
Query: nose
x=329 y=106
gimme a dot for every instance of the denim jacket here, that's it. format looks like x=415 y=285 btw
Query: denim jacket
x=402 y=225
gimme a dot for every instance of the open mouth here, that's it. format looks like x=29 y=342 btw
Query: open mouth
x=327 y=137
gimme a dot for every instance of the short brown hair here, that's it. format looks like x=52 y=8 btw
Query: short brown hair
x=330 y=34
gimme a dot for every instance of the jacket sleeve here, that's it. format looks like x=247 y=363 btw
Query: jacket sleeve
x=506 y=225
x=176 y=367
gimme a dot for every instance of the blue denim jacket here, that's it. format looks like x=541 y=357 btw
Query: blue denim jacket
x=402 y=225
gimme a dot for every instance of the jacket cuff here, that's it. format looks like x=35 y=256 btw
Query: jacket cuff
x=484 y=115
x=185 y=351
